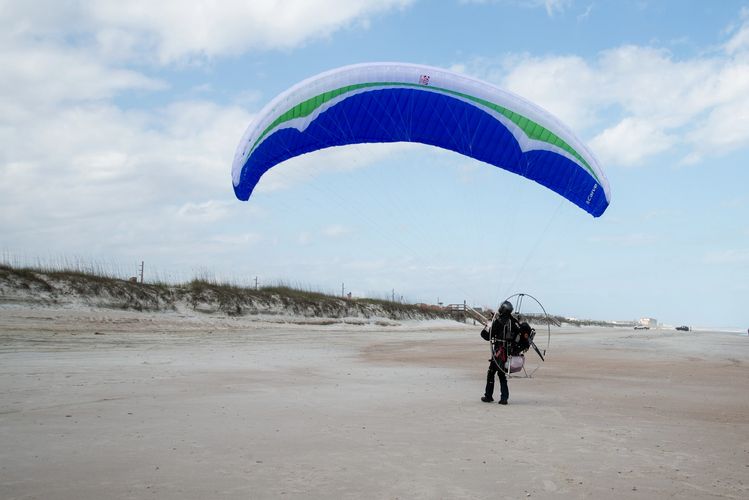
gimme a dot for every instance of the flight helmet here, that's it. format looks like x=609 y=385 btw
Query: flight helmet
x=505 y=308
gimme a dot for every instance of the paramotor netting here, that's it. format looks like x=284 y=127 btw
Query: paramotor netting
x=395 y=102
x=537 y=317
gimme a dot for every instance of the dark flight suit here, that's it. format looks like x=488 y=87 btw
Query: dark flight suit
x=503 y=329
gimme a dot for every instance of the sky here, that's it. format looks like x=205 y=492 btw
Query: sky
x=119 y=121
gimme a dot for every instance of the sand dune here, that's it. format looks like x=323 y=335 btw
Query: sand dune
x=111 y=404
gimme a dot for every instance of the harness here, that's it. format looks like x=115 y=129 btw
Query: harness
x=499 y=342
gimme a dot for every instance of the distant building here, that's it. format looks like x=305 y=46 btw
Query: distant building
x=649 y=322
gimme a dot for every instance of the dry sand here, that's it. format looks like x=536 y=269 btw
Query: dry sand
x=125 y=405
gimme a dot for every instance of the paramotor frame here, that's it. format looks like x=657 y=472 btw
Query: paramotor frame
x=536 y=320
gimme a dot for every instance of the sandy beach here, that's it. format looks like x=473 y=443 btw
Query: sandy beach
x=111 y=404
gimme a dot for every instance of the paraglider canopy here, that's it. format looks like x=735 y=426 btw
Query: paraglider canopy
x=395 y=102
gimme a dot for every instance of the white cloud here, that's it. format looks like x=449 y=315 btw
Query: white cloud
x=551 y=6
x=562 y=85
x=638 y=102
x=727 y=257
x=332 y=231
x=632 y=239
x=630 y=142
x=726 y=126
x=661 y=214
x=739 y=41
x=238 y=240
x=208 y=211
x=304 y=238
x=101 y=172
x=335 y=230
x=36 y=77
x=178 y=31
x=586 y=14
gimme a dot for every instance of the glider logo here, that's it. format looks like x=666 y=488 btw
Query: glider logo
x=424 y=80
x=592 y=192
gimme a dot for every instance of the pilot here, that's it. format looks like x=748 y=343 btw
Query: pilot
x=503 y=327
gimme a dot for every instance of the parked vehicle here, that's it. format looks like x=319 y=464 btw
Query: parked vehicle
x=683 y=328
x=642 y=327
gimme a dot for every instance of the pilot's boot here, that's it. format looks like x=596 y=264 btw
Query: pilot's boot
x=504 y=389
x=489 y=392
